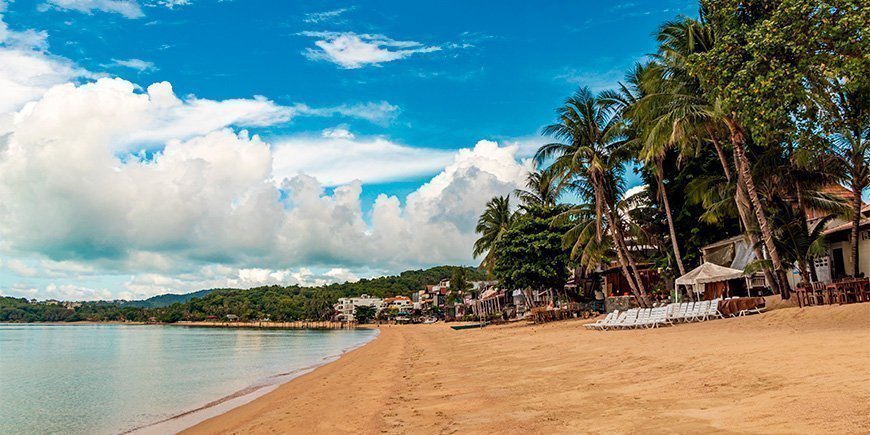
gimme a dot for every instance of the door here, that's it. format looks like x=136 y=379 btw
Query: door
x=839 y=268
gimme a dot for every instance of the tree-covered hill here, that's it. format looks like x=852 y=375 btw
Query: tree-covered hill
x=274 y=302
x=167 y=299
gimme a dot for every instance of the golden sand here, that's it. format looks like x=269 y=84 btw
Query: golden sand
x=786 y=371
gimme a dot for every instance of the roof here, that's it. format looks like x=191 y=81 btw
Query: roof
x=724 y=242
x=709 y=272
x=846 y=226
x=489 y=294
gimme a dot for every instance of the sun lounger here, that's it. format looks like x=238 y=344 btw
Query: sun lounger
x=685 y=311
x=629 y=320
x=672 y=310
x=600 y=323
x=713 y=312
x=642 y=318
x=659 y=317
x=701 y=309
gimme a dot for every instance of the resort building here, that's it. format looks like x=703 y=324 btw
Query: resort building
x=345 y=308
x=401 y=303
x=736 y=252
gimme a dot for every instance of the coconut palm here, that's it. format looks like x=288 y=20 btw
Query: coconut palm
x=496 y=219
x=687 y=111
x=543 y=188
x=590 y=136
x=648 y=139
x=848 y=111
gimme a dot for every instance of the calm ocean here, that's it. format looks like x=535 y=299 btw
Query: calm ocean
x=96 y=379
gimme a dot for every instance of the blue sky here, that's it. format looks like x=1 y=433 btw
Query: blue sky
x=386 y=93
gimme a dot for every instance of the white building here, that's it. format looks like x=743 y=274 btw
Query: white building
x=346 y=306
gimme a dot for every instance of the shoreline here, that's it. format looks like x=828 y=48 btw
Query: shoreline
x=789 y=370
x=220 y=406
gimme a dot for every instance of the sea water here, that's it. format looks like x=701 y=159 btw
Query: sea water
x=96 y=379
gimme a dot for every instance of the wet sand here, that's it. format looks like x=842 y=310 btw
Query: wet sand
x=786 y=371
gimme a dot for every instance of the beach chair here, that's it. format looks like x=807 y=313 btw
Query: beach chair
x=660 y=317
x=713 y=312
x=643 y=317
x=701 y=310
x=629 y=320
x=685 y=311
x=599 y=324
x=615 y=321
x=671 y=312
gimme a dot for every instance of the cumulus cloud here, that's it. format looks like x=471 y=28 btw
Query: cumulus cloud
x=339 y=157
x=351 y=50
x=26 y=70
x=101 y=178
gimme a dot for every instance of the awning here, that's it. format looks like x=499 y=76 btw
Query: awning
x=707 y=272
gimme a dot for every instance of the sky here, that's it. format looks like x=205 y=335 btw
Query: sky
x=165 y=146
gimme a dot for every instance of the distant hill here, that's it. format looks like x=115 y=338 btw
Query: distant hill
x=382 y=286
x=276 y=302
x=166 y=300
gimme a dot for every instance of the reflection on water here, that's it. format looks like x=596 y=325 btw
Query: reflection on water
x=110 y=378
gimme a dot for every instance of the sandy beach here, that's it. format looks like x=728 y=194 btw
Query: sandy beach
x=786 y=371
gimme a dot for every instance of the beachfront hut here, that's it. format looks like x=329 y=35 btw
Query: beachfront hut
x=709 y=280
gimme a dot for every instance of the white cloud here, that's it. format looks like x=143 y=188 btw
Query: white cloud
x=337 y=133
x=376 y=112
x=136 y=64
x=26 y=70
x=21 y=268
x=319 y=17
x=351 y=50
x=103 y=179
x=127 y=8
x=338 y=157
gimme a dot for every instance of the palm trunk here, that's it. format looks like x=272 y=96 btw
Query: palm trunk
x=623 y=264
x=599 y=207
x=743 y=207
x=856 y=223
x=738 y=140
x=664 y=196
x=626 y=258
x=719 y=152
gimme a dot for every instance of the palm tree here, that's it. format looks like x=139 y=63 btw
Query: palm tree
x=689 y=111
x=543 y=189
x=644 y=128
x=591 y=135
x=496 y=219
x=848 y=112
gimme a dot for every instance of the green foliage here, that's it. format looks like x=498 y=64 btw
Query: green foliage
x=274 y=302
x=531 y=253
x=364 y=313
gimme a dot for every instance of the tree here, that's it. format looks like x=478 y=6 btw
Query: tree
x=591 y=136
x=543 y=188
x=364 y=313
x=646 y=136
x=492 y=224
x=531 y=254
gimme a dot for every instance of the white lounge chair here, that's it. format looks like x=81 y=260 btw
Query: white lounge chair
x=659 y=317
x=616 y=321
x=701 y=309
x=629 y=320
x=600 y=323
x=642 y=318
x=678 y=312
x=686 y=311
x=713 y=312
